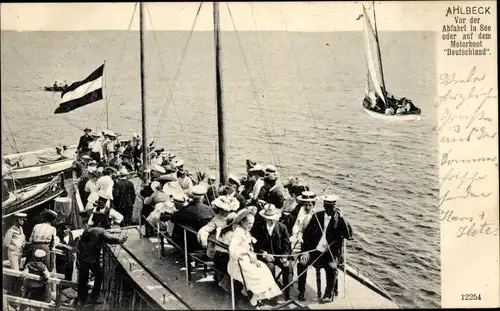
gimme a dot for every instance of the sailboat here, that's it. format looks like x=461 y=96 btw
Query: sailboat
x=147 y=274
x=377 y=99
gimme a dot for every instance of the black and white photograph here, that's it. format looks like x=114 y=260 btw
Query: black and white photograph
x=222 y=156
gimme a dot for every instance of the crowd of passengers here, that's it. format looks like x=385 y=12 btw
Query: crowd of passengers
x=269 y=226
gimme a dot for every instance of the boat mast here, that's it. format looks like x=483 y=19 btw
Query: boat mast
x=143 y=93
x=378 y=49
x=220 y=107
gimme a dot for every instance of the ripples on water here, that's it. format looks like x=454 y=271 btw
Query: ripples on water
x=385 y=173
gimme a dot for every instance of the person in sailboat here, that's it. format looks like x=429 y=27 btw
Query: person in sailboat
x=254 y=182
x=96 y=152
x=85 y=139
x=88 y=257
x=5 y=185
x=64 y=263
x=273 y=238
x=244 y=266
x=323 y=239
x=184 y=180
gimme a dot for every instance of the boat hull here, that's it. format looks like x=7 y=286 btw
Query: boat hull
x=29 y=197
x=393 y=118
x=54 y=88
x=40 y=172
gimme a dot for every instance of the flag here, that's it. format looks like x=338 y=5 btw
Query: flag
x=82 y=93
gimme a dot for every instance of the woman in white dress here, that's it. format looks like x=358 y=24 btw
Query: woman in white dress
x=244 y=265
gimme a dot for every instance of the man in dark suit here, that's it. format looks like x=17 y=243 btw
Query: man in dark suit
x=324 y=236
x=124 y=198
x=273 y=239
x=83 y=144
x=271 y=192
x=195 y=215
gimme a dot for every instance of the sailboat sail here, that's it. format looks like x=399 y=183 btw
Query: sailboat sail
x=376 y=81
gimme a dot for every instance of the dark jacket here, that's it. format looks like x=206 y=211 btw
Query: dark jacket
x=91 y=243
x=335 y=233
x=83 y=144
x=195 y=215
x=124 y=196
x=212 y=194
x=272 y=195
x=278 y=243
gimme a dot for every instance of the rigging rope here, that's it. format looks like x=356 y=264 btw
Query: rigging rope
x=120 y=59
x=172 y=87
x=254 y=88
x=10 y=129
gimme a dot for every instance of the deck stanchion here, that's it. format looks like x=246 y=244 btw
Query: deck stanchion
x=233 y=304
x=160 y=248
x=345 y=264
x=186 y=256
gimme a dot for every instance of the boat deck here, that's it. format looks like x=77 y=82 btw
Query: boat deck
x=201 y=293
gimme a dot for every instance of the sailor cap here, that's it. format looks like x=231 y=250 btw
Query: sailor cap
x=233 y=179
x=40 y=253
x=179 y=198
x=199 y=190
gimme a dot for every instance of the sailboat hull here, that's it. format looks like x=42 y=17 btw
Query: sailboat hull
x=393 y=118
x=41 y=167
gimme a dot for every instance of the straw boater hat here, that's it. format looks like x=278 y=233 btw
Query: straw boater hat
x=257 y=168
x=96 y=134
x=179 y=198
x=233 y=179
x=270 y=212
x=111 y=134
x=40 y=253
x=330 y=199
x=271 y=173
x=223 y=203
x=198 y=191
x=212 y=177
x=178 y=163
x=241 y=214
x=307 y=196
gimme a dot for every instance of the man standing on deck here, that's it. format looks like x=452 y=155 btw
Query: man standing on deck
x=124 y=198
x=43 y=237
x=323 y=239
x=14 y=242
x=88 y=258
x=83 y=144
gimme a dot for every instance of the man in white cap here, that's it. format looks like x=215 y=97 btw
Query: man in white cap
x=324 y=236
x=43 y=237
x=97 y=152
x=254 y=182
x=15 y=240
x=88 y=257
x=195 y=215
x=37 y=290
x=273 y=239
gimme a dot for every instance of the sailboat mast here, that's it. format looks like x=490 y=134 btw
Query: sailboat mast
x=219 y=94
x=143 y=93
x=378 y=49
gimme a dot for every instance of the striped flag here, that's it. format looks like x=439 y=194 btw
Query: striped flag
x=82 y=93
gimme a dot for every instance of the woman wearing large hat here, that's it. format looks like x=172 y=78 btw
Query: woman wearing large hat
x=244 y=265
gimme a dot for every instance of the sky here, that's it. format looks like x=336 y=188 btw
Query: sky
x=297 y=16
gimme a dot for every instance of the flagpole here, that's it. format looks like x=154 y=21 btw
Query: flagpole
x=106 y=98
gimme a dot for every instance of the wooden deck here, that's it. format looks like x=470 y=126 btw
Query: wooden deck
x=142 y=260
